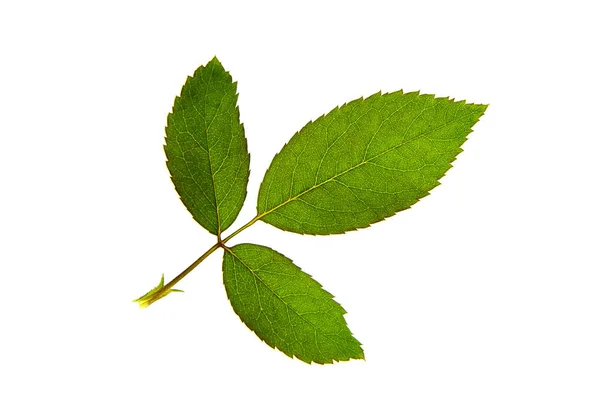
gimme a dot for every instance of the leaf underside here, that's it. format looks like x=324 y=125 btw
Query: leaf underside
x=363 y=162
x=285 y=307
x=206 y=149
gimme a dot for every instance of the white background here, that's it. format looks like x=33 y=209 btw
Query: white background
x=487 y=289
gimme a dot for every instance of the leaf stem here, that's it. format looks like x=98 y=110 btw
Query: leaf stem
x=249 y=224
x=189 y=269
x=162 y=291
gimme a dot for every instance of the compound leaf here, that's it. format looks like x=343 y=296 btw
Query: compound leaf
x=363 y=162
x=285 y=307
x=206 y=149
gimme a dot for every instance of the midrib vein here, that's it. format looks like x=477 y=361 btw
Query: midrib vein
x=365 y=161
x=259 y=279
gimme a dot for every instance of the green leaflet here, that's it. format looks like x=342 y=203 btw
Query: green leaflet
x=363 y=162
x=285 y=307
x=206 y=148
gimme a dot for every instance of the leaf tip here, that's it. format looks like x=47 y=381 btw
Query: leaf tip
x=214 y=61
x=359 y=356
